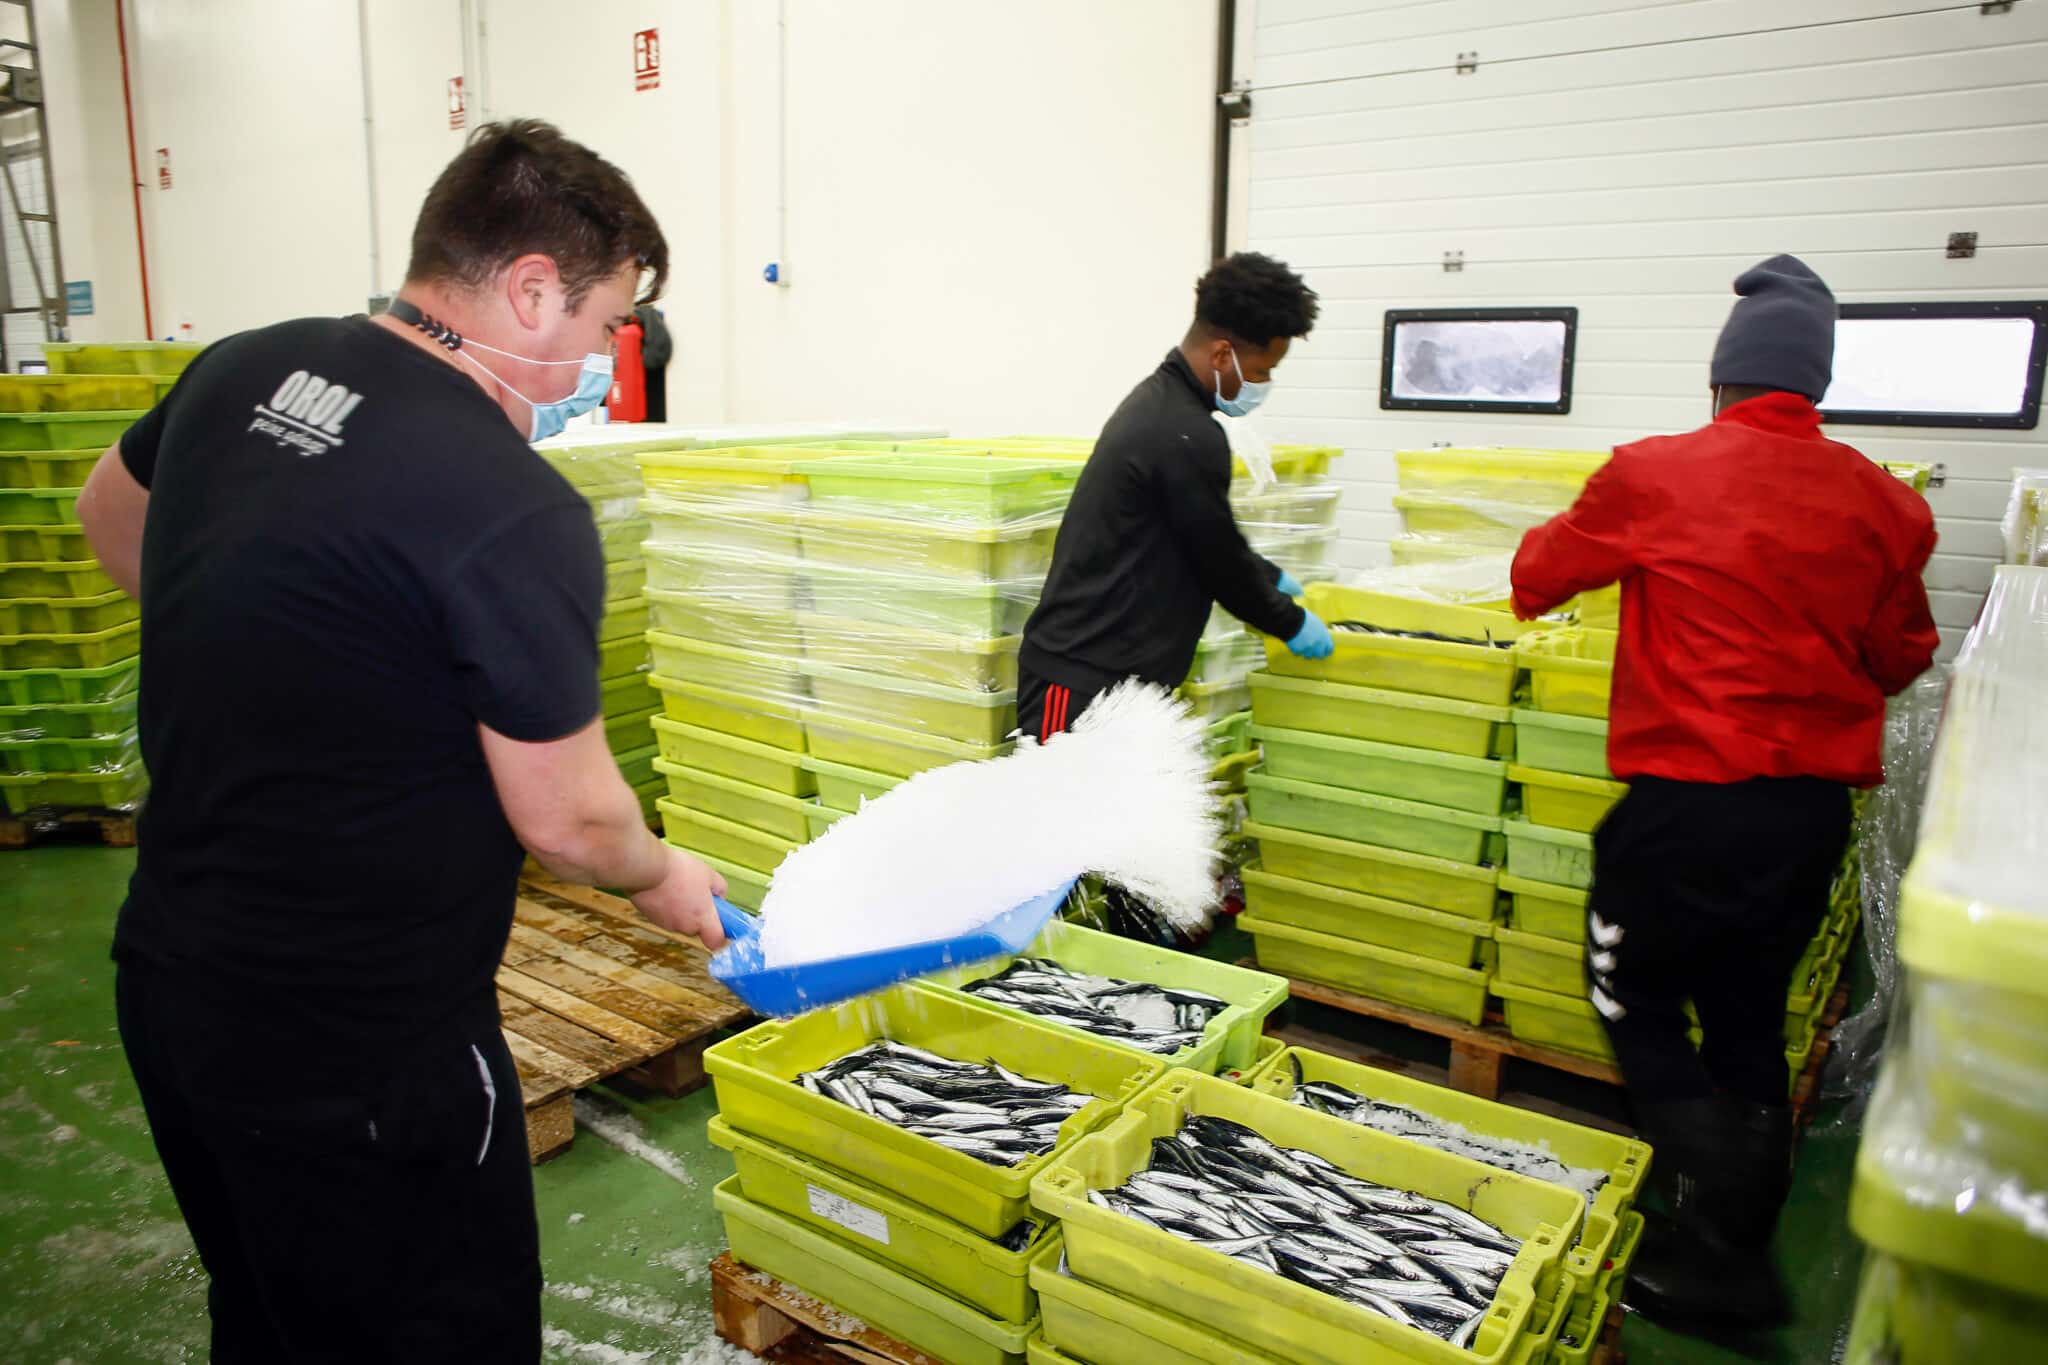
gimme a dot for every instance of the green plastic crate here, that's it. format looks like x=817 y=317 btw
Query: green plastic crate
x=740 y=802
x=1557 y=912
x=625 y=581
x=621 y=659
x=69 y=686
x=1912 y=1312
x=1455 y=888
x=1229 y=1040
x=1561 y=743
x=971 y=609
x=1378 y=715
x=1542 y=854
x=1580 y=1336
x=120 y=790
x=1227 y=736
x=775 y=724
x=1479 y=785
x=67 y=615
x=974 y=663
x=1564 y=800
x=1571 y=671
x=1226 y=659
x=69 y=579
x=40 y=544
x=1097 y=1325
x=726 y=840
x=1368 y=919
x=843 y=788
x=845 y=1276
x=773 y=678
x=1382 y=973
x=87 y=393
x=715 y=620
x=965 y=715
x=119 y=357
x=1461 y=672
x=628 y=695
x=1383 y=820
x=724 y=578
x=1268 y=1048
x=902 y=545
x=744 y=886
x=819 y=817
x=732 y=477
x=69 y=720
x=637 y=766
x=620 y=541
x=859 y=743
x=748 y=533
x=761 y=765
x=1276 y=1315
x=65 y=430
x=93 y=650
x=1626 y=1160
x=39 y=506
x=1567 y=1022
x=1548 y=964
x=47 y=468
x=888 y=1228
x=1228 y=776
x=1216 y=700
x=755 y=1076
x=624 y=621
x=75 y=755
x=963 y=489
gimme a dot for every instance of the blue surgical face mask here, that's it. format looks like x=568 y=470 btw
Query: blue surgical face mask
x=1249 y=395
x=593 y=384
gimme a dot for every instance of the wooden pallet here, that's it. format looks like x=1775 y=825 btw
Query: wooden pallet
x=589 y=990
x=1609 y=1351
x=760 y=1313
x=113 y=828
x=1479 y=1052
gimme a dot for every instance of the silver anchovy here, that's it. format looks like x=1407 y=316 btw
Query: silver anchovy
x=982 y=1109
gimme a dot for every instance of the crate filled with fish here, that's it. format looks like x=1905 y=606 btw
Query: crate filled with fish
x=1408 y=645
x=928 y=1093
x=1310 y=1237
x=1185 y=1009
x=1605 y=1169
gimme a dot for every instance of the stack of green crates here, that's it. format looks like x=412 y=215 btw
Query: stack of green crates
x=932 y=1246
x=603 y=464
x=1952 y=1174
x=69 y=638
x=1379 y=807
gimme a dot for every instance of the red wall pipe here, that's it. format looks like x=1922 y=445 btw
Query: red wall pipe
x=134 y=172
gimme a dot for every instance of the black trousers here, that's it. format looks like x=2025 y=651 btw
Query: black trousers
x=354 y=1206
x=1708 y=893
x=1045 y=709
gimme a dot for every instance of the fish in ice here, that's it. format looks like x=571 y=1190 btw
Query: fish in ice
x=982 y=1109
x=1156 y=1019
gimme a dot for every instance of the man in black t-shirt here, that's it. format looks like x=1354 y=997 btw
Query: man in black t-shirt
x=1148 y=544
x=369 y=626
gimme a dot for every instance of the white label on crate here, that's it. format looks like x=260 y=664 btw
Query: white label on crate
x=849 y=1215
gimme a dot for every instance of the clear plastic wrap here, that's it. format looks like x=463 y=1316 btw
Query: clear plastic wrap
x=1475 y=581
x=2025 y=524
x=1886 y=832
x=1952 y=1175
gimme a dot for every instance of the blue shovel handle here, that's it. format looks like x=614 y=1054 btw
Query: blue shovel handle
x=737 y=923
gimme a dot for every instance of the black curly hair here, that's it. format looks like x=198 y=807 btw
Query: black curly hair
x=1254 y=298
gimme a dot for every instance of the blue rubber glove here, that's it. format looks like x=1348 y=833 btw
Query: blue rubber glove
x=1313 y=640
x=1289 y=584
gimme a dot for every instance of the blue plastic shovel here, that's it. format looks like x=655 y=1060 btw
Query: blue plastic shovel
x=783 y=991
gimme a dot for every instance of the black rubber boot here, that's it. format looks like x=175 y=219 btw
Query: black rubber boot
x=1724 y=1167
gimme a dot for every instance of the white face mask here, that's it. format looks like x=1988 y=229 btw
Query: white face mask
x=592 y=385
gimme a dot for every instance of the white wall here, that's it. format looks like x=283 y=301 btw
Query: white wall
x=1631 y=159
x=996 y=213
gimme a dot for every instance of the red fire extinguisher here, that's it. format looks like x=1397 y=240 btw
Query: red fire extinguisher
x=628 y=401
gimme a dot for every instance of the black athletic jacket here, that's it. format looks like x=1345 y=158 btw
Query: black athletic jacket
x=1148 y=544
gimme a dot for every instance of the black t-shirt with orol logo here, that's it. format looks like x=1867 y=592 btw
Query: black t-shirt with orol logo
x=351 y=561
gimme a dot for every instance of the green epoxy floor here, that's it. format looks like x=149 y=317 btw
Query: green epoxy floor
x=95 y=1265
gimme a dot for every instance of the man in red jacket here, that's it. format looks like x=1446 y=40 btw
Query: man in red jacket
x=1771 y=600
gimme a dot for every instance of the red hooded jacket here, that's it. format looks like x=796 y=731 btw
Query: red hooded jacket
x=1770 y=596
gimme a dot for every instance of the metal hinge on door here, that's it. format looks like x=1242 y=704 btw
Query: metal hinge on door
x=1468 y=62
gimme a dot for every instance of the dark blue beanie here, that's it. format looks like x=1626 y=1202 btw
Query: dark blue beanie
x=1781 y=332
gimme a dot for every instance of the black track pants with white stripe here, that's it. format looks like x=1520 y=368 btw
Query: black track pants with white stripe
x=1708 y=893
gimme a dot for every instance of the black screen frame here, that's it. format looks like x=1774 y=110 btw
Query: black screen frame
x=2029 y=415
x=1396 y=316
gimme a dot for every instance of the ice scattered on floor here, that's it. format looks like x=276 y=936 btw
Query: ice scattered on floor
x=623 y=1131
x=563 y=1346
x=1125 y=794
x=574 y=1219
x=64 y=1132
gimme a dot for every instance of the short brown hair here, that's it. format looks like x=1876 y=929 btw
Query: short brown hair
x=521 y=187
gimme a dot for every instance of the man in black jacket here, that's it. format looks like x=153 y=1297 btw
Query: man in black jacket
x=1149 y=544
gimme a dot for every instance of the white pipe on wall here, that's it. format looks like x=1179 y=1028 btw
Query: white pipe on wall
x=377 y=282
